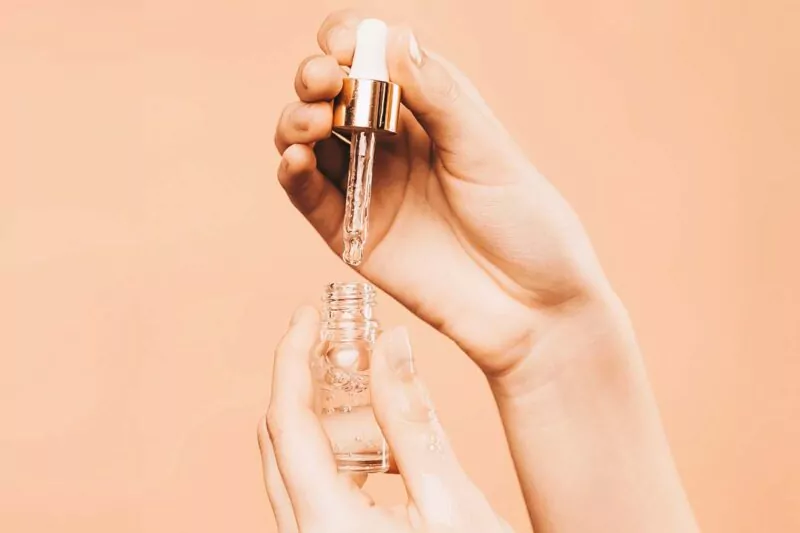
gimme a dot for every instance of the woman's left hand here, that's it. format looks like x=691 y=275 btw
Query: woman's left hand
x=309 y=495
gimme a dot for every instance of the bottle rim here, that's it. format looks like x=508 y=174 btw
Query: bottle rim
x=349 y=291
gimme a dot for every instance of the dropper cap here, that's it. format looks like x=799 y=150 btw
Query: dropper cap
x=369 y=58
x=368 y=100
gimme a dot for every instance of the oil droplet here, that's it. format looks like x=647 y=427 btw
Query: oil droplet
x=353 y=252
x=435 y=444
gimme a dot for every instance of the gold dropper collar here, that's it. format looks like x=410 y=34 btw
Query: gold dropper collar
x=367 y=105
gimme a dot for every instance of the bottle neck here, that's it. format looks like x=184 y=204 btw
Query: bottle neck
x=347 y=312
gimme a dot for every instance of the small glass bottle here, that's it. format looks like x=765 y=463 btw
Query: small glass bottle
x=340 y=365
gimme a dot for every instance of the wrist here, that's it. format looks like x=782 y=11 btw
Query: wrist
x=584 y=430
x=586 y=349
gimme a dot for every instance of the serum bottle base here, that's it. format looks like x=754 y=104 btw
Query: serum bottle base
x=362 y=463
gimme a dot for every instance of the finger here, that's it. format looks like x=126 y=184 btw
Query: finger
x=319 y=78
x=433 y=478
x=312 y=194
x=447 y=106
x=441 y=99
x=337 y=35
x=303 y=123
x=302 y=450
x=276 y=491
x=355 y=482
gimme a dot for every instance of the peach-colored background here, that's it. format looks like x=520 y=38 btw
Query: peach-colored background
x=149 y=261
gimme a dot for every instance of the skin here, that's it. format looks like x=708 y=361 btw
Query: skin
x=308 y=494
x=469 y=236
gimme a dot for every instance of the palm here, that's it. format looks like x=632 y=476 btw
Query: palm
x=463 y=229
x=409 y=519
x=391 y=520
x=456 y=246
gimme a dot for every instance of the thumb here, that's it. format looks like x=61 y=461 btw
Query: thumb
x=445 y=104
x=434 y=479
x=432 y=475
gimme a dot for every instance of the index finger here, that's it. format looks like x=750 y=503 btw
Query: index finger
x=337 y=35
x=302 y=450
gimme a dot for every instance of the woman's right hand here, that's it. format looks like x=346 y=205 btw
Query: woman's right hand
x=470 y=237
x=464 y=231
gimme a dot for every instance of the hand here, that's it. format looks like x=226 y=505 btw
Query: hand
x=307 y=493
x=464 y=231
x=471 y=238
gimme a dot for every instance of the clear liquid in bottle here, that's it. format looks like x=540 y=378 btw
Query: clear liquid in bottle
x=341 y=369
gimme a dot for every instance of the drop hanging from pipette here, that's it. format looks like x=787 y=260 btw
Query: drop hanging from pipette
x=367 y=107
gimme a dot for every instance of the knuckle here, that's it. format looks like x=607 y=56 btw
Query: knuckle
x=284 y=126
x=444 y=88
x=309 y=120
x=449 y=90
x=299 y=118
x=285 y=113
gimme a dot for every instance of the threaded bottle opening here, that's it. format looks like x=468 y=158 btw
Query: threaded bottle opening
x=349 y=306
x=349 y=294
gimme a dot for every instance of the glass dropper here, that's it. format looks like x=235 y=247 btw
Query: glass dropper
x=367 y=107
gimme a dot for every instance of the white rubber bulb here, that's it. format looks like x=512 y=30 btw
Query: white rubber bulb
x=369 y=58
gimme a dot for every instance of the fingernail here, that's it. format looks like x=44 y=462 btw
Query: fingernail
x=399 y=353
x=414 y=50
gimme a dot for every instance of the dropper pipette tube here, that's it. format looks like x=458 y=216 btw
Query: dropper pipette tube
x=358 y=196
x=367 y=107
